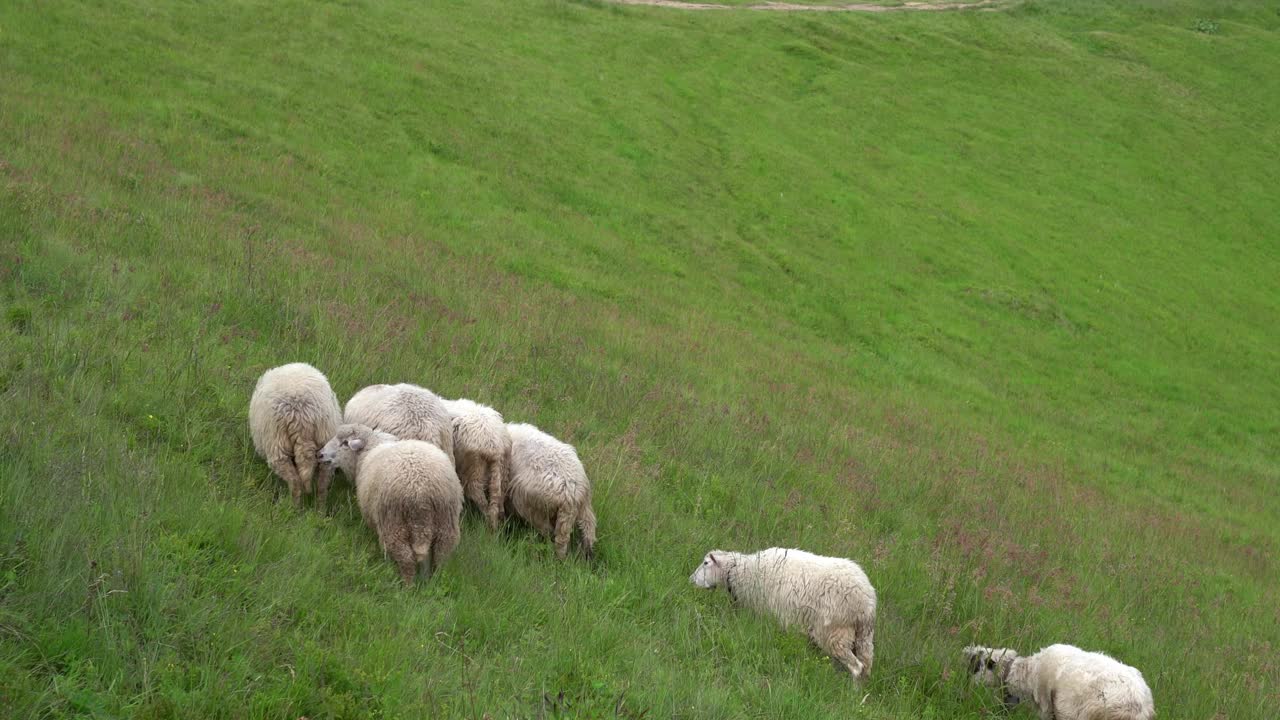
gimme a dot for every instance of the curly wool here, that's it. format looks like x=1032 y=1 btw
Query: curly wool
x=292 y=412
x=832 y=598
x=1065 y=682
x=407 y=411
x=408 y=494
x=482 y=447
x=549 y=488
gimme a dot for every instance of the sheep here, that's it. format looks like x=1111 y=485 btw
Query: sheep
x=408 y=494
x=482 y=447
x=549 y=488
x=407 y=411
x=292 y=412
x=830 y=597
x=1065 y=682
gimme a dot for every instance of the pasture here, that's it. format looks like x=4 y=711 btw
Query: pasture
x=985 y=301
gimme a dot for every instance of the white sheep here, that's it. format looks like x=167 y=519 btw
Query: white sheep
x=830 y=597
x=549 y=488
x=1065 y=682
x=407 y=411
x=408 y=494
x=292 y=413
x=482 y=447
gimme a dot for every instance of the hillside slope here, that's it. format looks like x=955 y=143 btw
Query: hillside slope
x=985 y=301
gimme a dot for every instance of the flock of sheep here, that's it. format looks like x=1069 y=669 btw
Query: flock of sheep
x=413 y=458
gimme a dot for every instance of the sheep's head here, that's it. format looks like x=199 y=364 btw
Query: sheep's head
x=344 y=448
x=711 y=572
x=990 y=667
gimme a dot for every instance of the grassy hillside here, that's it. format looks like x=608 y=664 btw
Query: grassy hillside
x=985 y=301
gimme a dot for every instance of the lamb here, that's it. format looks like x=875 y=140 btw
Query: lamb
x=408 y=493
x=292 y=412
x=549 y=488
x=1065 y=682
x=482 y=447
x=830 y=597
x=407 y=411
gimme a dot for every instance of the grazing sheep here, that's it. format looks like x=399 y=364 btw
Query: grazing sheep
x=549 y=488
x=1065 y=682
x=407 y=411
x=831 y=597
x=408 y=493
x=293 y=412
x=482 y=447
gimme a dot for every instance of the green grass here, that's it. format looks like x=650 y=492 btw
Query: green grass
x=985 y=301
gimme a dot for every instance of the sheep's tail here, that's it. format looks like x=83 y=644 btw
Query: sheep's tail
x=419 y=538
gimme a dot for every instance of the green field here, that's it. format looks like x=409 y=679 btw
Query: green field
x=986 y=301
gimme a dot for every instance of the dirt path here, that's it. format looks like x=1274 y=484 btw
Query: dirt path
x=793 y=7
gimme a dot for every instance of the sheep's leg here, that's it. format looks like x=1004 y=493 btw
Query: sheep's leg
x=564 y=529
x=509 y=506
x=1049 y=711
x=587 y=523
x=838 y=643
x=399 y=548
x=282 y=465
x=473 y=480
x=324 y=478
x=497 y=471
x=443 y=545
x=304 y=457
x=864 y=649
x=446 y=443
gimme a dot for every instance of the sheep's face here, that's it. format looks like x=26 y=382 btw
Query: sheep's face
x=989 y=666
x=343 y=449
x=711 y=572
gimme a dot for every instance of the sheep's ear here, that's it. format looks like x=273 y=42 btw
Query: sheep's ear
x=356 y=443
x=712 y=557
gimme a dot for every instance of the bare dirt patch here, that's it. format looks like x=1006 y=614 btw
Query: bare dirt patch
x=794 y=7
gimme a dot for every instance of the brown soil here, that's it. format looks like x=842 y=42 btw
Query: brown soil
x=793 y=7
